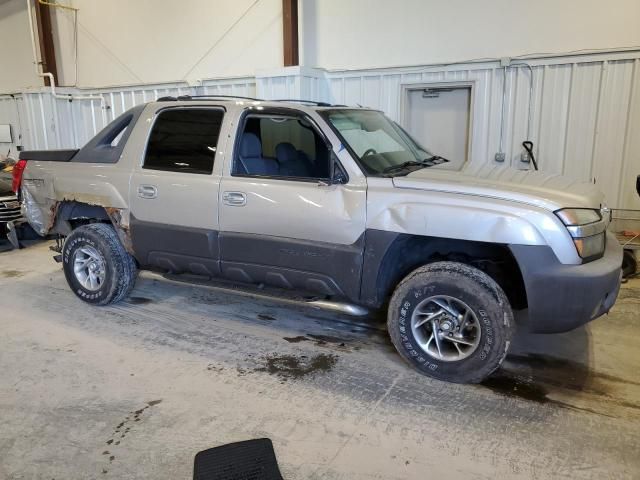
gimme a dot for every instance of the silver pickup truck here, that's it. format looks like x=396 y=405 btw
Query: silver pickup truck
x=339 y=202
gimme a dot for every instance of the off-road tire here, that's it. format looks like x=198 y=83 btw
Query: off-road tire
x=477 y=290
x=120 y=267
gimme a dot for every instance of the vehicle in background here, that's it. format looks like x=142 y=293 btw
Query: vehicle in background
x=12 y=223
x=336 y=201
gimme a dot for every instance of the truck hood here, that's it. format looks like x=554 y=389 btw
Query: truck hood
x=547 y=191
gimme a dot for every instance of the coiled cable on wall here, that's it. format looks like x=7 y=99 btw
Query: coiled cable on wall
x=528 y=146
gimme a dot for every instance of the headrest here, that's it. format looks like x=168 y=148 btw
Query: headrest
x=285 y=152
x=250 y=145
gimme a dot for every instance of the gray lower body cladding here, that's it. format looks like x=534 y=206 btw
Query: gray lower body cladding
x=175 y=249
x=323 y=268
x=563 y=297
x=326 y=268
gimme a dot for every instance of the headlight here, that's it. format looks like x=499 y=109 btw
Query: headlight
x=578 y=216
x=587 y=228
x=590 y=246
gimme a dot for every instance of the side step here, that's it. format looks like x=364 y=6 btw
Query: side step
x=346 y=308
x=270 y=293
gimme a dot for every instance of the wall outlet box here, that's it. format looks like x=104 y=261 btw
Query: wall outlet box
x=500 y=156
x=5 y=134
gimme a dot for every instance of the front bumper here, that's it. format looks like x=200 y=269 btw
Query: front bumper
x=562 y=297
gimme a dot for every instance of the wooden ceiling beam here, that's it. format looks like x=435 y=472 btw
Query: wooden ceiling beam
x=290 y=32
x=45 y=38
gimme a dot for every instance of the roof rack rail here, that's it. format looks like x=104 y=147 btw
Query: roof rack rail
x=311 y=102
x=191 y=97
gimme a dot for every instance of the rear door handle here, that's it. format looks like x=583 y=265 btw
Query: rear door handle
x=234 y=199
x=147 y=191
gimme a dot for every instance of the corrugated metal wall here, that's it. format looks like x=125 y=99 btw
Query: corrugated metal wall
x=49 y=122
x=12 y=112
x=584 y=118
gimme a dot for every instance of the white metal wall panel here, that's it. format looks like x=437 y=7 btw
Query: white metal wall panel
x=551 y=130
x=631 y=157
x=12 y=112
x=60 y=123
x=581 y=124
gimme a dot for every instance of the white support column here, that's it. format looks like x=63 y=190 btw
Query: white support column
x=298 y=83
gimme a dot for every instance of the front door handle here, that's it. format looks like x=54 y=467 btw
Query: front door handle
x=147 y=191
x=234 y=199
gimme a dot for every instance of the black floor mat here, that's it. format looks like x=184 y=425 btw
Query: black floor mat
x=248 y=460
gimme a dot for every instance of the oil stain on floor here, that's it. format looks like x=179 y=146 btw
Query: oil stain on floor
x=122 y=429
x=11 y=273
x=320 y=340
x=548 y=374
x=293 y=367
x=514 y=386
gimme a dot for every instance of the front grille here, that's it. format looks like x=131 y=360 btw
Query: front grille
x=9 y=209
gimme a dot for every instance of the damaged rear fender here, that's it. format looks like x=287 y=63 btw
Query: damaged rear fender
x=62 y=216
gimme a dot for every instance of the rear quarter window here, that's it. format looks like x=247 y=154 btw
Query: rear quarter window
x=184 y=140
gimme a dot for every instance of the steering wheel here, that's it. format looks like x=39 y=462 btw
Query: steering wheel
x=369 y=151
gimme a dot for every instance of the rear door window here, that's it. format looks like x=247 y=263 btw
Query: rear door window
x=184 y=140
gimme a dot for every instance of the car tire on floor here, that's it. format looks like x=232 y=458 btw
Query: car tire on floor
x=451 y=321
x=97 y=267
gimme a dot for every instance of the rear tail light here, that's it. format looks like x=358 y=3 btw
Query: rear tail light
x=18 y=170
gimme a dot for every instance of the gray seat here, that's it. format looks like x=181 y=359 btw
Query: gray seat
x=251 y=161
x=292 y=164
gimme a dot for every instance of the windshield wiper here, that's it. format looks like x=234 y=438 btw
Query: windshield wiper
x=427 y=162
x=402 y=166
x=434 y=160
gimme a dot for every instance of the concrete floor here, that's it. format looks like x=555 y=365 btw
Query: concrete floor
x=135 y=390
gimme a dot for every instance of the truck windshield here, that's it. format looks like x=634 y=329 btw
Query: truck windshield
x=381 y=146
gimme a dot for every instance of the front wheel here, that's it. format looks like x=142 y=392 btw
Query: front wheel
x=451 y=321
x=97 y=267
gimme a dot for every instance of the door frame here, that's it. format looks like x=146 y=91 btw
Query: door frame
x=407 y=88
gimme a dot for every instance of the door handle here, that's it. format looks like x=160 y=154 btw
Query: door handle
x=147 y=191
x=234 y=199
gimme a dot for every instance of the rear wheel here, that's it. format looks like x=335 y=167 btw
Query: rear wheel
x=451 y=321
x=97 y=267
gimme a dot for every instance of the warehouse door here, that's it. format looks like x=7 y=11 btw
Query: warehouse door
x=439 y=118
